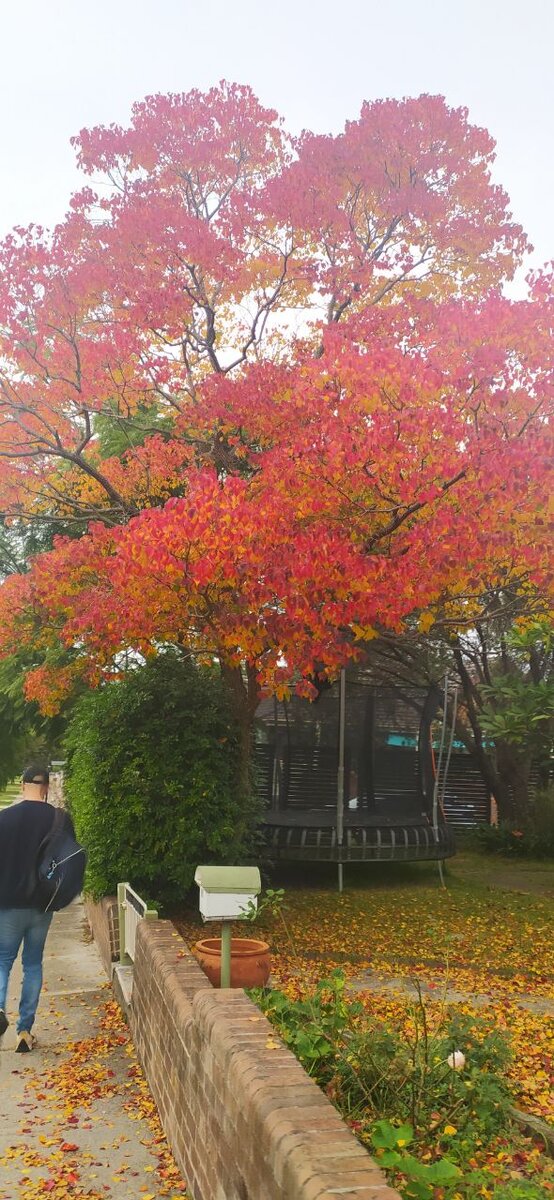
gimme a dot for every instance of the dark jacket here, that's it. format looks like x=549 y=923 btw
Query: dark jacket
x=22 y=829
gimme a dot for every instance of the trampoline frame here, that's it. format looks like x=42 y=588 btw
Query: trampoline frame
x=344 y=836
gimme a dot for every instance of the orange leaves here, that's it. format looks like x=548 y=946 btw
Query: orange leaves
x=49 y=686
x=96 y=1089
x=425 y=622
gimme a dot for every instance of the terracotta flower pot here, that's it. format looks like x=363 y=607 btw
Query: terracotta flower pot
x=250 y=964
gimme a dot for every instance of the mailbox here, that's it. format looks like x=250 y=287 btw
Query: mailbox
x=226 y=893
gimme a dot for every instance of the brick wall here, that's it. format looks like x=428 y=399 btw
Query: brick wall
x=103 y=918
x=244 y=1120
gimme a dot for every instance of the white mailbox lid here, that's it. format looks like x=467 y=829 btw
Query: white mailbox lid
x=229 y=879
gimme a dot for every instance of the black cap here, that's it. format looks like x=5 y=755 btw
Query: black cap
x=36 y=774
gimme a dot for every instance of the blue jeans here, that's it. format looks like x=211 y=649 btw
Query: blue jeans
x=30 y=926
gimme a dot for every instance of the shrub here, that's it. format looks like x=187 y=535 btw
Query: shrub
x=152 y=779
x=439 y=1123
x=521 y=1189
x=533 y=839
x=372 y=1072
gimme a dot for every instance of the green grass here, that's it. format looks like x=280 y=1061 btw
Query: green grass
x=9 y=794
x=466 y=870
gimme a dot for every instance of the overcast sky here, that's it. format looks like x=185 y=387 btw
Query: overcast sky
x=68 y=64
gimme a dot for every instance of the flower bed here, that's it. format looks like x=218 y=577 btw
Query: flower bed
x=484 y=958
x=424 y=1086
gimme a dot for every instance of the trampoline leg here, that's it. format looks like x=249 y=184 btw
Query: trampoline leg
x=340 y=877
x=441 y=871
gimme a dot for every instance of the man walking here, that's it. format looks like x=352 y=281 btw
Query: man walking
x=23 y=827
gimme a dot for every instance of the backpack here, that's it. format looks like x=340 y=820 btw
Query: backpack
x=60 y=865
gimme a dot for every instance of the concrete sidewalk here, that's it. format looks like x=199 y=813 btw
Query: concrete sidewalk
x=76 y=1116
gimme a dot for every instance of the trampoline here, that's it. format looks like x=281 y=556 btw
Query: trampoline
x=359 y=775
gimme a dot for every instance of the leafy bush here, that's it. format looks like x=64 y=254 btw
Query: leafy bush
x=315 y=1028
x=152 y=779
x=519 y=706
x=418 y=1180
x=372 y=1073
x=521 y=1189
x=534 y=839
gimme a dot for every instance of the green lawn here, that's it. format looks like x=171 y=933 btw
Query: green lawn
x=8 y=796
x=467 y=870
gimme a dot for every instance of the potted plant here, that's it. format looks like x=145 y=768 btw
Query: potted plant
x=250 y=957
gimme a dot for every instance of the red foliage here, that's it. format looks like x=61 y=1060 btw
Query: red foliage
x=297 y=483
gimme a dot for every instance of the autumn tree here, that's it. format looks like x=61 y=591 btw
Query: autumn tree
x=271 y=391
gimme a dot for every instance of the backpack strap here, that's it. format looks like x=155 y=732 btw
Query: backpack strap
x=54 y=829
x=57 y=822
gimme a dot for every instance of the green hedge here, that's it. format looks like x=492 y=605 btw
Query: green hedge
x=152 y=780
x=534 y=838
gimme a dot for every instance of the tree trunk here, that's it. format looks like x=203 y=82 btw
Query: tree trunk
x=514 y=773
x=505 y=771
x=243 y=692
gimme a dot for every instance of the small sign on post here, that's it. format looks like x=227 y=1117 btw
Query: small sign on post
x=227 y=894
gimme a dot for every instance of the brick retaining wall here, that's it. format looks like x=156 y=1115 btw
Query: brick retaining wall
x=102 y=916
x=243 y=1118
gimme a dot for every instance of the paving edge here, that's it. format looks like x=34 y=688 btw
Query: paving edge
x=122 y=983
x=536 y=1127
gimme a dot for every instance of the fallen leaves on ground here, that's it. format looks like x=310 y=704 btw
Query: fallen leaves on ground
x=73 y=1096
x=490 y=946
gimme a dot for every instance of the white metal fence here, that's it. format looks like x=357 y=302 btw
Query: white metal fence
x=132 y=910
